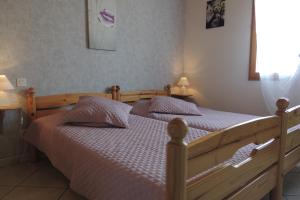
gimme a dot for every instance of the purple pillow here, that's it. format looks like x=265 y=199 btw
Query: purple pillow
x=99 y=112
x=141 y=108
x=170 y=105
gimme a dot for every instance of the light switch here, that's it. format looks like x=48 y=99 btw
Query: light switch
x=21 y=82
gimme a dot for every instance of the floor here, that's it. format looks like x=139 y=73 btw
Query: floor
x=34 y=182
x=41 y=181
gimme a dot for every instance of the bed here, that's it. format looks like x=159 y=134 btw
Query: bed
x=213 y=121
x=210 y=120
x=242 y=162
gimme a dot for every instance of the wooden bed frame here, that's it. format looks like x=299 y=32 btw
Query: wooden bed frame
x=262 y=172
x=133 y=96
x=53 y=103
x=289 y=157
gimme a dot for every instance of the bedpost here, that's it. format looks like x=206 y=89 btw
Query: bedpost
x=30 y=102
x=282 y=105
x=115 y=92
x=168 y=89
x=176 y=160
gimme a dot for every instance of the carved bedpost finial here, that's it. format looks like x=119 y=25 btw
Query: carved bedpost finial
x=177 y=129
x=115 y=92
x=176 y=160
x=282 y=105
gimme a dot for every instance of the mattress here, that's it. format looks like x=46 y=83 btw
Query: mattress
x=112 y=163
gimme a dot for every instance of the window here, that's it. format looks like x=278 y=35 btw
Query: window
x=274 y=39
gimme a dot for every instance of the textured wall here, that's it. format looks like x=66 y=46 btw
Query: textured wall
x=45 y=41
x=217 y=59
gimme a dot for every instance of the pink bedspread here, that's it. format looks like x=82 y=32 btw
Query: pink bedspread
x=111 y=163
x=211 y=120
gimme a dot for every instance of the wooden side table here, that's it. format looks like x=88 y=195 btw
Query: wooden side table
x=2 y=114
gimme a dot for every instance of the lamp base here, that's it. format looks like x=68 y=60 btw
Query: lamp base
x=183 y=90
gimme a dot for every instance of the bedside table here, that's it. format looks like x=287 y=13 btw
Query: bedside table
x=2 y=114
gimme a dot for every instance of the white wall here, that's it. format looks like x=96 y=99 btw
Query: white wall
x=216 y=60
x=45 y=41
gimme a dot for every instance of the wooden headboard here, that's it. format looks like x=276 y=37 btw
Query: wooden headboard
x=36 y=105
x=132 y=96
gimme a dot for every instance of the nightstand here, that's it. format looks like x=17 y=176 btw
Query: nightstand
x=2 y=114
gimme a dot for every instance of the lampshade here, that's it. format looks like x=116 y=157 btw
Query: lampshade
x=5 y=84
x=183 y=82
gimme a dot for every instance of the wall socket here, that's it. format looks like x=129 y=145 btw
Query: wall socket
x=21 y=82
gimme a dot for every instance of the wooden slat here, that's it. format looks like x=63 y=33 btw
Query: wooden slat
x=223 y=182
x=208 y=160
x=258 y=188
x=291 y=159
x=134 y=98
x=53 y=101
x=293 y=116
x=261 y=129
x=292 y=140
x=145 y=94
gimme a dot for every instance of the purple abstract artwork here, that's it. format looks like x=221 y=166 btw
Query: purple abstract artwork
x=107 y=18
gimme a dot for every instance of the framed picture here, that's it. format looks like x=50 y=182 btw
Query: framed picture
x=215 y=11
x=102 y=24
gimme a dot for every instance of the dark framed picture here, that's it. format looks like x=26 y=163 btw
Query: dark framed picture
x=215 y=12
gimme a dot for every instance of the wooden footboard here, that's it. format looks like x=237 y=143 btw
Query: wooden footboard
x=292 y=148
x=198 y=170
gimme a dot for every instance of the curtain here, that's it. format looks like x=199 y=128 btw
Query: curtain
x=278 y=49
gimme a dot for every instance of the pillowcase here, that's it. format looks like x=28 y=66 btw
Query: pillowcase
x=141 y=108
x=99 y=112
x=170 y=105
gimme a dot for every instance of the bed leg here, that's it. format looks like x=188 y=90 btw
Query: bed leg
x=176 y=168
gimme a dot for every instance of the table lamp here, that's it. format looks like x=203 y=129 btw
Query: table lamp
x=183 y=83
x=5 y=84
